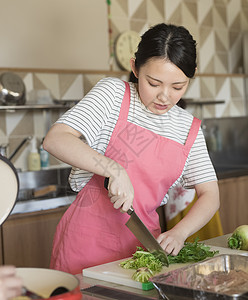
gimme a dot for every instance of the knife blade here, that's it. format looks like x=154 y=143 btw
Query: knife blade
x=138 y=228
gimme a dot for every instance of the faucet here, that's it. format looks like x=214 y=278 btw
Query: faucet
x=3 y=149
x=19 y=147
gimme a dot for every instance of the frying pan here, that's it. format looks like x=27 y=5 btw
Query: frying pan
x=44 y=282
x=9 y=187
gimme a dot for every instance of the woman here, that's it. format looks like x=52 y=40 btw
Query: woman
x=138 y=137
x=10 y=284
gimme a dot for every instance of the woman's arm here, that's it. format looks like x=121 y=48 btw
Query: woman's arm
x=199 y=215
x=64 y=143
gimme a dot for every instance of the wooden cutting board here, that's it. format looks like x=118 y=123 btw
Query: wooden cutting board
x=114 y=273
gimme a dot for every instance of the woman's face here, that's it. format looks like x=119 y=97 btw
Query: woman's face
x=161 y=84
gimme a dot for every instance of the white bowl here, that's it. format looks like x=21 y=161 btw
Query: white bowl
x=45 y=281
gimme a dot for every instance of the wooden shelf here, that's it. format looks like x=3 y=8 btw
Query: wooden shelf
x=108 y=72
x=204 y=102
x=11 y=108
x=222 y=75
x=65 y=71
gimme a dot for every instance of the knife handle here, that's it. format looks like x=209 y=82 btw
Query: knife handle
x=106 y=182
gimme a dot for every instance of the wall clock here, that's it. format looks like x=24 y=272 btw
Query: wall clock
x=125 y=47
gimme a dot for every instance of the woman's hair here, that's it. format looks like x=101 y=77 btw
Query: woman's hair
x=170 y=42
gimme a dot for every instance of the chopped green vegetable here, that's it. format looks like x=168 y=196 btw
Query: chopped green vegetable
x=142 y=258
x=239 y=238
x=142 y=275
x=192 y=252
x=147 y=265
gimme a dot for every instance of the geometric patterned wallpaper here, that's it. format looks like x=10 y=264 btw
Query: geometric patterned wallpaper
x=216 y=25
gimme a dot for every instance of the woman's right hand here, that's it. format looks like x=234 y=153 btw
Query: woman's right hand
x=121 y=191
x=10 y=284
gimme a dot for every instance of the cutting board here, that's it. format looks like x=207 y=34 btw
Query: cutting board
x=114 y=273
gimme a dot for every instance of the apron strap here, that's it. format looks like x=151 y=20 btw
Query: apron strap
x=194 y=129
x=125 y=103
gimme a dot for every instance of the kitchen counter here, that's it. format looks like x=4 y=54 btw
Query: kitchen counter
x=229 y=171
x=86 y=282
x=45 y=204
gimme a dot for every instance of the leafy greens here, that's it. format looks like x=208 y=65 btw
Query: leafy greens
x=147 y=265
x=142 y=259
x=192 y=252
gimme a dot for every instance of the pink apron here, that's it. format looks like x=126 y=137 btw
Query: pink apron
x=92 y=232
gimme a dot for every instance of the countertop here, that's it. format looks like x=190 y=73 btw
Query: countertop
x=227 y=171
x=38 y=205
x=131 y=293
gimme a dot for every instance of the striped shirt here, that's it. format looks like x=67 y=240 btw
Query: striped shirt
x=96 y=115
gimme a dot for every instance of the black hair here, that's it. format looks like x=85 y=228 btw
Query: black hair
x=171 y=42
x=132 y=77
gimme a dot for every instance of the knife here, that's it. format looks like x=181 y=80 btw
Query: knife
x=141 y=232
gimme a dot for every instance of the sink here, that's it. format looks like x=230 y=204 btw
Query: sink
x=44 y=184
x=36 y=179
x=45 y=192
x=28 y=200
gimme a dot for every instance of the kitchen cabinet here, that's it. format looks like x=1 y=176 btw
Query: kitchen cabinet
x=233 y=202
x=27 y=238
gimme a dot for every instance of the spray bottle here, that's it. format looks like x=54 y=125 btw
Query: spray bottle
x=33 y=157
x=44 y=157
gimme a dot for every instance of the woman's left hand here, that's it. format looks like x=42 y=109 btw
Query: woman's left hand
x=172 y=241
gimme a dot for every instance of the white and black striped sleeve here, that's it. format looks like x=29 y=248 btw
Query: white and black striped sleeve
x=91 y=114
x=199 y=168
